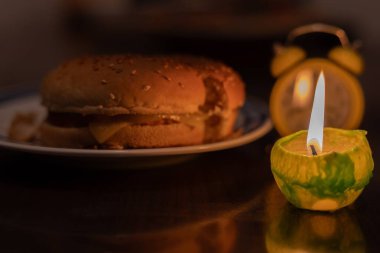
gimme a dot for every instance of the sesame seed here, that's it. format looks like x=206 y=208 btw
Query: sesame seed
x=111 y=66
x=166 y=78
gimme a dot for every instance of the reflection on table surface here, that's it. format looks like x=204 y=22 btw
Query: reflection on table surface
x=67 y=206
x=217 y=202
x=289 y=229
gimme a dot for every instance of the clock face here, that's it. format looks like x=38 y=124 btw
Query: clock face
x=292 y=97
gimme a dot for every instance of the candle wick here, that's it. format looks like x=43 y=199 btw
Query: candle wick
x=313 y=150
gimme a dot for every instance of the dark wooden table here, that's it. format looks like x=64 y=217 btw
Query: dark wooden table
x=223 y=201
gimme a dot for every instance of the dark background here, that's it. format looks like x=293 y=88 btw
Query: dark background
x=38 y=35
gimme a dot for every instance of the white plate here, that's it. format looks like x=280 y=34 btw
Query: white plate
x=253 y=120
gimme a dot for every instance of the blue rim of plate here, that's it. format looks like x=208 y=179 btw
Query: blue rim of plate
x=253 y=120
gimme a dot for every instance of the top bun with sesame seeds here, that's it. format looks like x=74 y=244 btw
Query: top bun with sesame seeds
x=109 y=95
x=138 y=84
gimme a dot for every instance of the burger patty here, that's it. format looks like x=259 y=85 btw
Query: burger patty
x=78 y=120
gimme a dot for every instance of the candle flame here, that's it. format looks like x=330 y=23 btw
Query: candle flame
x=315 y=133
x=302 y=88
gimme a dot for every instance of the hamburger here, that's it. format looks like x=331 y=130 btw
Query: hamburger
x=135 y=101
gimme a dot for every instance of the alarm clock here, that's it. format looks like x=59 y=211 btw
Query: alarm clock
x=292 y=94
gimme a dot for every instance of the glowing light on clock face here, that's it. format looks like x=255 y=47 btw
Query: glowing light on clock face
x=303 y=88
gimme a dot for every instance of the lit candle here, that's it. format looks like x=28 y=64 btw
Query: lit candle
x=324 y=168
x=315 y=133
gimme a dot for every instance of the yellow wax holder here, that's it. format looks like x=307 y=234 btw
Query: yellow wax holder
x=329 y=180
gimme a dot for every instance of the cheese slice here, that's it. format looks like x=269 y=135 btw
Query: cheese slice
x=102 y=130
